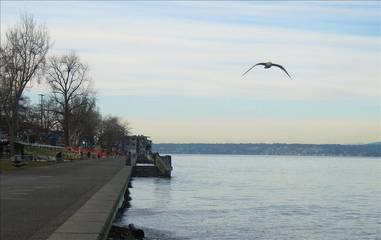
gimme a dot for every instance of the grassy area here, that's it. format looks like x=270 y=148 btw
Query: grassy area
x=38 y=151
x=6 y=165
x=72 y=155
x=51 y=152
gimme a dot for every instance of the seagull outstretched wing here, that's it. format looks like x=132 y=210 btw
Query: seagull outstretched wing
x=264 y=64
x=281 y=67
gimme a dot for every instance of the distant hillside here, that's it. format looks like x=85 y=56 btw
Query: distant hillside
x=366 y=150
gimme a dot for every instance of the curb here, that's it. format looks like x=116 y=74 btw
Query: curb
x=93 y=220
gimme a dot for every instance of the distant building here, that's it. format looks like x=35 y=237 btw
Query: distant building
x=137 y=144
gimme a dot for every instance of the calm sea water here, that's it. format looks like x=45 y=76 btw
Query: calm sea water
x=260 y=197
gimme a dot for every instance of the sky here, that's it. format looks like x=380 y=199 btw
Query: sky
x=173 y=70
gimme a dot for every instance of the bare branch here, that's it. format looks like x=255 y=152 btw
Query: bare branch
x=67 y=77
x=23 y=55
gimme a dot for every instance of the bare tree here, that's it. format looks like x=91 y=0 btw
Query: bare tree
x=22 y=59
x=52 y=117
x=111 y=133
x=85 y=122
x=68 y=79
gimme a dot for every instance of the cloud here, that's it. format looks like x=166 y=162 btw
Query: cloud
x=201 y=49
x=154 y=52
x=208 y=59
x=189 y=56
x=259 y=130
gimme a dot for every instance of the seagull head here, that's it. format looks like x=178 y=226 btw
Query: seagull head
x=268 y=64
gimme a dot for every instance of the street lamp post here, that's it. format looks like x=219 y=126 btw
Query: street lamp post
x=42 y=109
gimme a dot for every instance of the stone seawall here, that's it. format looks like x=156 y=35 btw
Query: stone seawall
x=93 y=220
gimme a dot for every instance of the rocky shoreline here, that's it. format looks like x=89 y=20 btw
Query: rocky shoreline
x=125 y=233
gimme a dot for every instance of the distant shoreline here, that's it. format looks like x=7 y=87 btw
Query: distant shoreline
x=282 y=149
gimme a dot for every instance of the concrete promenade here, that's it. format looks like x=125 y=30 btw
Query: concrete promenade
x=71 y=200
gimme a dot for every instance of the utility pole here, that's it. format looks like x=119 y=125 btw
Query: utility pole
x=42 y=109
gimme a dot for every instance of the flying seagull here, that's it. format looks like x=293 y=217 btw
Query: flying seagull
x=269 y=65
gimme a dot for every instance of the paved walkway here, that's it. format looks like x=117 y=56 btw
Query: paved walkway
x=40 y=202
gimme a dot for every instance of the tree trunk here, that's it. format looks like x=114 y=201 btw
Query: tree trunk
x=66 y=127
x=11 y=127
